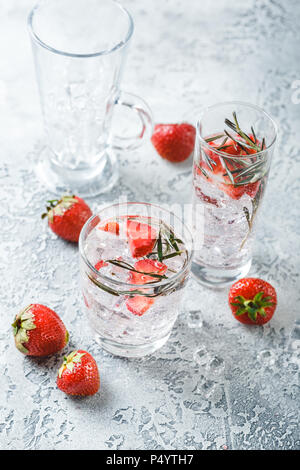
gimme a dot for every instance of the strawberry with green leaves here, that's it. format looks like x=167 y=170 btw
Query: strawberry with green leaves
x=252 y=301
x=79 y=374
x=67 y=216
x=38 y=331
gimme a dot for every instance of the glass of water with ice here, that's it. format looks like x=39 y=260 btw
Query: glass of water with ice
x=79 y=49
x=135 y=260
x=233 y=151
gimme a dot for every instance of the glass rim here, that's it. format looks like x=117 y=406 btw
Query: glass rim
x=116 y=47
x=164 y=282
x=243 y=103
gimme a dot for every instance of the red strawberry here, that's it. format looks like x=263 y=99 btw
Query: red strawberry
x=236 y=192
x=146 y=266
x=139 y=304
x=39 y=331
x=67 y=216
x=141 y=238
x=112 y=227
x=174 y=142
x=85 y=300
x=79 y=374
x=100 y=264
x=252 y=301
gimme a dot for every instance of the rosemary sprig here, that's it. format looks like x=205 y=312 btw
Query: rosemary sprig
x=209 y=161
x=102 y=286
x=166 y=242
x=170 y=255
x=116 y=293
x=223 y=146
x=169 y=240
x=240 y=171
x=255 y=204
x=230 y=176
x=236 y=128
x=251 y=168
x=159 y=247
x=203 y=171
x=173 y=241
x=238 y=142
x=247 y=215
x=213 y=138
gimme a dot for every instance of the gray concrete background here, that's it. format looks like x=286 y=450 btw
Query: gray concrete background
x=185 y=54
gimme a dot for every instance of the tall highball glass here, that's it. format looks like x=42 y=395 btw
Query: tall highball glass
x=234 y=146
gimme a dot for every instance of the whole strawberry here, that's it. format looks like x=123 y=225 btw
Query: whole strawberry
x=252 y=301
x=79 y=374
x=39 y=331
x=67 y=216
x=174 y=142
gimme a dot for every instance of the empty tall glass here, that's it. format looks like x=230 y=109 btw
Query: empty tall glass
x=79 y=50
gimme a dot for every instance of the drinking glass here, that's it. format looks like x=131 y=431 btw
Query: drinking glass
x=130 y=312
x=79 y=49
x=231 y=168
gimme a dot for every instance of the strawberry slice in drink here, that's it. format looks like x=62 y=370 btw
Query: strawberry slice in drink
x=149 y=266
x=236 y=192
x=141 y=238
x=111 y=227
x=219 y=171
x=100 y=264
x=139 y=304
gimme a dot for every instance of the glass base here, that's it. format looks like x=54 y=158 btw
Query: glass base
x=130 y=350
x=218 y=277
x=61 y=181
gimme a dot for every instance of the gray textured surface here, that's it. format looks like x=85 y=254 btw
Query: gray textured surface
x=185 y=54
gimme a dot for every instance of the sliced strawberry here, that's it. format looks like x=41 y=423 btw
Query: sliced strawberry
x=236 y=192
x=85 y=301
x=218 y=175
x=146 y=266
x=112 y=227
x=139 y=304
x=100 y=264
x=205 y=198
x=141 y=238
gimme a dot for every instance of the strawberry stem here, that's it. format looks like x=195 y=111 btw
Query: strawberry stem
x=252 y=307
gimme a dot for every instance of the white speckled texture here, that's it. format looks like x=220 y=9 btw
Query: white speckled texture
x=185 y=54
